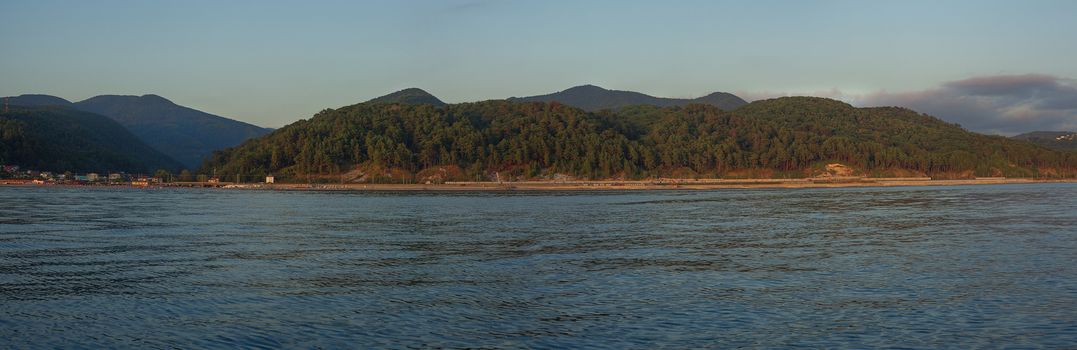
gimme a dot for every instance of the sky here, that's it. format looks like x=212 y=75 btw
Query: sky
x=274 y=62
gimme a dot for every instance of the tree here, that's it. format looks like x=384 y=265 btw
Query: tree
x=162 y=175
x=539 y=140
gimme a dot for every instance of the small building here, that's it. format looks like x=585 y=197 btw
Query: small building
x=270 y=179
x=115 y=177
x=91 y=177
x=214 y=180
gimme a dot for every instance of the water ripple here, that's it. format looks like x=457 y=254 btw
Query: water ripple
x=944 y=267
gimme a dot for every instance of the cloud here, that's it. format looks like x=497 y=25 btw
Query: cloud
x=1003 y=104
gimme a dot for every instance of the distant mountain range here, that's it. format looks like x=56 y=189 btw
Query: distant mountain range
x=586 y=97
x=593 y=98
x=54 y=138
x=1060 y=140
x=183 y=133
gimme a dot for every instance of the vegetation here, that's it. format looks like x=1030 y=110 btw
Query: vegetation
x=787 y=137
x=1060 y=140
x=61 y=139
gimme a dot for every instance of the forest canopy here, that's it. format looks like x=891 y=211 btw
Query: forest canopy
x=783 y=137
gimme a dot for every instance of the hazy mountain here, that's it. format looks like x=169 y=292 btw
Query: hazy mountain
x=31 y=100
x=58 y=138
x=784 y=137
x=592 y=98
x=410 y=96
x=1060 y=140
x=183 y=133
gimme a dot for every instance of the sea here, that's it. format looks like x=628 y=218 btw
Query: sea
x=988 y=266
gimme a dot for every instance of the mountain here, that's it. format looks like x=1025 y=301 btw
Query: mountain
x=593 y=98
x=31 y=100
x=1060 y=140
x=409 y=96
x=60 y=139
x=784 y=137
x=183 y=133
x=186 y=134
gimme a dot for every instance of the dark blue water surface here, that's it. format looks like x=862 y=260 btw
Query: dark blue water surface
x=947 y=267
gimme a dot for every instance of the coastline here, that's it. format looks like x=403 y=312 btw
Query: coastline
x=682 y=184
x=638 y=185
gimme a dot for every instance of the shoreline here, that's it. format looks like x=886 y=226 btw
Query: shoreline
x=643 y=185
x=638 y=185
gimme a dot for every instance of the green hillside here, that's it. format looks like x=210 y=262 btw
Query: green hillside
x=1060 y=140
x=784 y=137
x=63 y=139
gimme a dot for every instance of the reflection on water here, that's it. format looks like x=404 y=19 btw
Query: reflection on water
x=855 y=268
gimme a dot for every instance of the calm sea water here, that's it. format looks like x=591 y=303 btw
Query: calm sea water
x=952 y=267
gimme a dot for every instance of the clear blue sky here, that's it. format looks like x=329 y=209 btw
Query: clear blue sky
x=273 y=62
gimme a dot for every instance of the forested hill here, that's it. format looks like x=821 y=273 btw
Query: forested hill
x=1060 y=140
x=64 y=139
x=784 y=137
x=593 y=98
